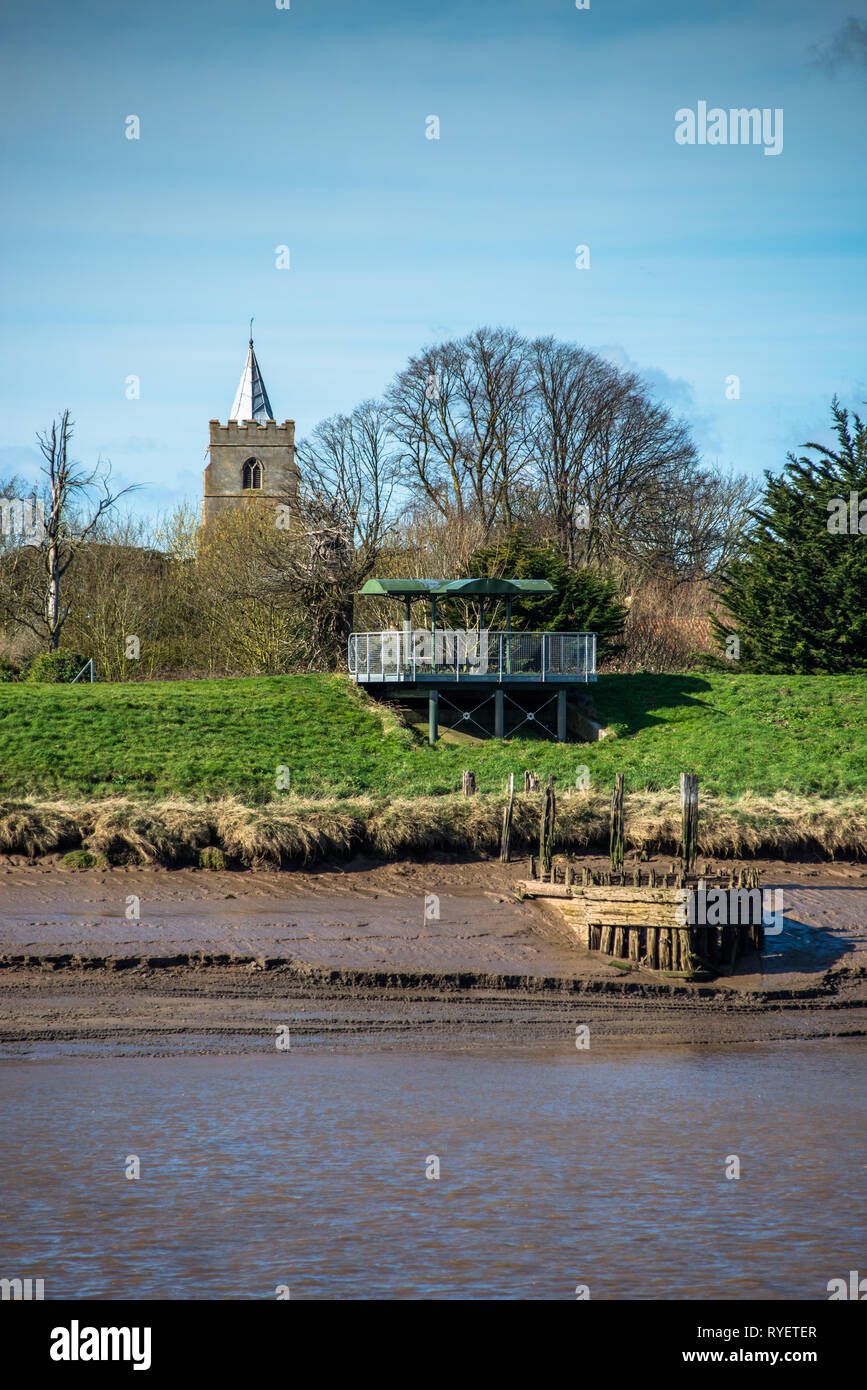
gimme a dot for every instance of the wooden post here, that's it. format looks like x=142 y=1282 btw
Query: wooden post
x=468 y=783
x=528 y=782
x=665 y=948
x=689 y=821
x=615 y=848
x=546 y=828
x=505 y=842
x=532 y=866
x=652 y=951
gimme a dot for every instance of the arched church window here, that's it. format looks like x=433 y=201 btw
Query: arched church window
x=251 y=474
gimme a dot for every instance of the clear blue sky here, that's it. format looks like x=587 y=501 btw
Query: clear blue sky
x=306 y=127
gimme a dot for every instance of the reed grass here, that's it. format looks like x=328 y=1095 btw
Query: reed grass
x=295 y=830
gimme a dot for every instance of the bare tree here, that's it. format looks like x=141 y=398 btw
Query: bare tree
x=33 y=598
x=610 y=459
x=285 y=576
x=458 y=415
x=350 y=460
x=313 y=567
x=575 y=394
x=639 y=453
x=698 y=520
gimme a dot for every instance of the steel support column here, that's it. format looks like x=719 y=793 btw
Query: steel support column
x=561 y=716
x=499 y=720
x=433 y=710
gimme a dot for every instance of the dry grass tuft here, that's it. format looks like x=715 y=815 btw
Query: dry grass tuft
x=126 y=832
x=32 y=828
x=288 y=831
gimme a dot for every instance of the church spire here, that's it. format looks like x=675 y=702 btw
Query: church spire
x=251 y=398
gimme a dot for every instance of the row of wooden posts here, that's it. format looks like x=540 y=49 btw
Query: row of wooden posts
x=680 y=949
x=590 y=878
x=617 y=837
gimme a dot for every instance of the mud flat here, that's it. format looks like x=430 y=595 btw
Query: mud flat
x=354 y=951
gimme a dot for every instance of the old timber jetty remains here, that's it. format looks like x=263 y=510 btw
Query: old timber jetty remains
x=682 y=923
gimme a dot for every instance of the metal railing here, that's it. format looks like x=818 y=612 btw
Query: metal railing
x=457 y=654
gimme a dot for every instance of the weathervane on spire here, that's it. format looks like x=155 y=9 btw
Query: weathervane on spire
x=251 y=333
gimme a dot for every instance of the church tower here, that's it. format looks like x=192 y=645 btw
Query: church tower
x=251 y=455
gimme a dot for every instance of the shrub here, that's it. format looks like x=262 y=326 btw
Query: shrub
x=212 y=858
x=668 y=627
x=56 y=667
x=8 y=672
x=83 y=859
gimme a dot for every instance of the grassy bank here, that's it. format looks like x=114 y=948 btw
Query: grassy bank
x=297 y=831
x=207 y=741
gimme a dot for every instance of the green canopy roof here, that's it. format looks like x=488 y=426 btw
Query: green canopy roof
x=455 y=588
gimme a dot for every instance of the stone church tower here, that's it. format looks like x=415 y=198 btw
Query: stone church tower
x=251 y=455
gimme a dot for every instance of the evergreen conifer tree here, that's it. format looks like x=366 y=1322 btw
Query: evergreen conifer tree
x=582 y=601
x=798 y=593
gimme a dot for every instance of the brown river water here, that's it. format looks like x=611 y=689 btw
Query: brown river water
x=558 y=1167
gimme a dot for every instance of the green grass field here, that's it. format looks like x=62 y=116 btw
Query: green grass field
x=202 y=740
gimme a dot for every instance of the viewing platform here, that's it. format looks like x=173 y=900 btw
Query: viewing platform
x=519 y=680
x=471 y=655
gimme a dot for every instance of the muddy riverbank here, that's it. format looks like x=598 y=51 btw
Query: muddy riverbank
x=414 y=954
x=227 y=1009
